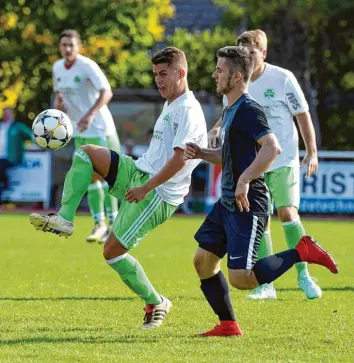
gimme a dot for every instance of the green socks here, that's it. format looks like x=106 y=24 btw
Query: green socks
x=294 y=230
x=133 y=275
x=95 y=198
x=110 y=204
x=76 y=184
x=265 y=247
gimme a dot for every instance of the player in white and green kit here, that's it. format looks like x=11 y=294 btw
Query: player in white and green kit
x=281 y=97
x=150 y=188
x=83 y=91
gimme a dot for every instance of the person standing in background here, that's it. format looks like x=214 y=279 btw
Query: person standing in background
x=13 y=135
x=83 y=92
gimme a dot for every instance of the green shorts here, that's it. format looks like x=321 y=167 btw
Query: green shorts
x=284 y=186
x=136 y=220
x=111 y=142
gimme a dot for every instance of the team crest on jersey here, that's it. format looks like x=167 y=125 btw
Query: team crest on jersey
x=166 y=119
x=77 y=79
x=269 y=93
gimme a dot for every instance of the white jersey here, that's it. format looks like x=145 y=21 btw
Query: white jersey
x=180 y=122
x=80 y=86
x=281 y=97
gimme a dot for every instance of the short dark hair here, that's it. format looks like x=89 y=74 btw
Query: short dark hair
x=70 y=33
x=170 y=55
x=239 y=58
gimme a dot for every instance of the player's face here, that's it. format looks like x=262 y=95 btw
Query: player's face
x=224 y=78
x=167 y=79
x=69 y=48
x=258 y=55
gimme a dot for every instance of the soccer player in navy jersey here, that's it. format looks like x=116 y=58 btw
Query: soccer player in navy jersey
x=236 y=223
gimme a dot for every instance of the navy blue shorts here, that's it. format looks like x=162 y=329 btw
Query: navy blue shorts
x=235 y=233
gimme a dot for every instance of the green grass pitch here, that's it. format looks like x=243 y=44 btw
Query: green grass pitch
x=60 y=302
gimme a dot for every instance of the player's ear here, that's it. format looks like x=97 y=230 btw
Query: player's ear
x=264 y=54
x=238 y=76
x=182 y=73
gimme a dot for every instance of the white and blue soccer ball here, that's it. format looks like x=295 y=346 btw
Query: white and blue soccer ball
x=52 y=129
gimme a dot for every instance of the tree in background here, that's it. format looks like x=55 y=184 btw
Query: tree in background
x=314 y=39
x=200 y=49
x=116 y=34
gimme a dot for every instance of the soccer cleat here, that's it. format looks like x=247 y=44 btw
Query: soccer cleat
x=105 y=236
x=155 y=314
x=308 y=285
x=224 y=329
x=311 y=252
x=52 y=223
x=97 y=233
x=263 y=292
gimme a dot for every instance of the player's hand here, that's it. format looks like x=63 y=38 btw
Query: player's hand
x=192 y=151
x=311 y=160
x=213 y=138
x=241 y=195
x=85 y=122
x=137 y=194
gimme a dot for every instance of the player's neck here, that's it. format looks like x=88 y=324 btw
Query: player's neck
x=258 y=72
x=179 y=92
x=69 y=64
x=235 y=94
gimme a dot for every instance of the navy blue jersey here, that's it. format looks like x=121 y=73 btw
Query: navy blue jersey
x=243 y=124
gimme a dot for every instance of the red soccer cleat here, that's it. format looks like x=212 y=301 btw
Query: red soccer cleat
x=226 y=328
x=311 y=252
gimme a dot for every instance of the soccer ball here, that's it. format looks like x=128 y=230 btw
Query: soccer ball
x=52 y=129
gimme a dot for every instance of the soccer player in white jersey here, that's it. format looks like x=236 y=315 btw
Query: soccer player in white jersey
x=281 y=97
x=150 y=188
x=82 y=91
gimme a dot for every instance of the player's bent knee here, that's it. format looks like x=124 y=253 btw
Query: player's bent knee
x=242 y=279
x=288 y=214
x=100 y=158
x=206 y=263
x=113 y=248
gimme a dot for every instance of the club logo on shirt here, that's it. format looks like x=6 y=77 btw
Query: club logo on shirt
x=77 y=79
x=166 y=119
x=269 y=93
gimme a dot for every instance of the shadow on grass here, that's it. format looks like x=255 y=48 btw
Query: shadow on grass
x=85 y=340
x=63 y=298
x=343 y=288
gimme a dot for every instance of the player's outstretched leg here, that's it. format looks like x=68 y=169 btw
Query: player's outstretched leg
x=76 y=183
x=270 y=268
x=133 y=275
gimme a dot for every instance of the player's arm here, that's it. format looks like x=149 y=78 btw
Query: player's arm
x=58 y=102
x=308 y=135
x=101 y=84
x=170 y=169
x=103 y=98
x=193 y=151
x=213 y=135
x=299 y=108
x=269 y=151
